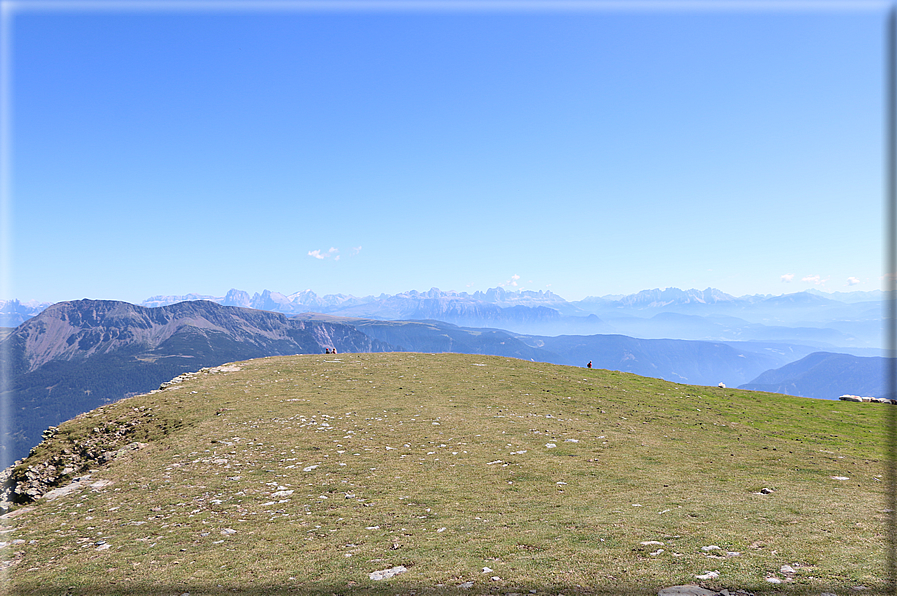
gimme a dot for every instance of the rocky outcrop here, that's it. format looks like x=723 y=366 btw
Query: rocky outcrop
x=63 y=456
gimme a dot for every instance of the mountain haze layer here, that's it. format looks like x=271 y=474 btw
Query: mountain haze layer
x=836 y=322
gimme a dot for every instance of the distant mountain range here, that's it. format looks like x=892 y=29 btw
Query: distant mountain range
x=13 y=313
x=852 y=323
x=842 y=321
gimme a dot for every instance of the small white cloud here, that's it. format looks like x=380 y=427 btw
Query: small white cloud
x=511 y=282
x=852 y=281
x=812 y=279
x=333 y=252
x=356 y=250
x=787 y=277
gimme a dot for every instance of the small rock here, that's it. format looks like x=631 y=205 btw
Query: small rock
x=766 y=491
x=228 y=531
x=708 y=575
x=466 y=585
x=387 y=573
x=487 y=570
x=651 y=543
x=707 y=549
x=787 y=569
x=773 y=580
x=495 y=578
x=550 y=445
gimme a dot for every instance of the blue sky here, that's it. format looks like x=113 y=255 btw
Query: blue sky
x=588 y=152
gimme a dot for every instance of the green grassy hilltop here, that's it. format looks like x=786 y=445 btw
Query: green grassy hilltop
x=477 y=474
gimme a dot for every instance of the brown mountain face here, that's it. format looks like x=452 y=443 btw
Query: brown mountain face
x=84 y=328
x=76 y=356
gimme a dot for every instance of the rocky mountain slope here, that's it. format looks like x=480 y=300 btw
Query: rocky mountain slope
x=75 y=356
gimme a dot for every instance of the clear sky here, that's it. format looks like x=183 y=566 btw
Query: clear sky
x=586 y=151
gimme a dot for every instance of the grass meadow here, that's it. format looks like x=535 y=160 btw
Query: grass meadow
x=477 y=474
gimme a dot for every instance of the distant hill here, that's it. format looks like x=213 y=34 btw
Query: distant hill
x=825 y=375
x=75 y=356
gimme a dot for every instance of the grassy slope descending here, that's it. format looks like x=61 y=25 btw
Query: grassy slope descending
x=441 y=463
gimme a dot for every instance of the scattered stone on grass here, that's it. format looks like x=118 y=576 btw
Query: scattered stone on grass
x=387 y=573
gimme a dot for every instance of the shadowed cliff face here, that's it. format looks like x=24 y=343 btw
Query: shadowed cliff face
x=76 y=356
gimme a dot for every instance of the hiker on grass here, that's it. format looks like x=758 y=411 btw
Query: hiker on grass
x=589 y=365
